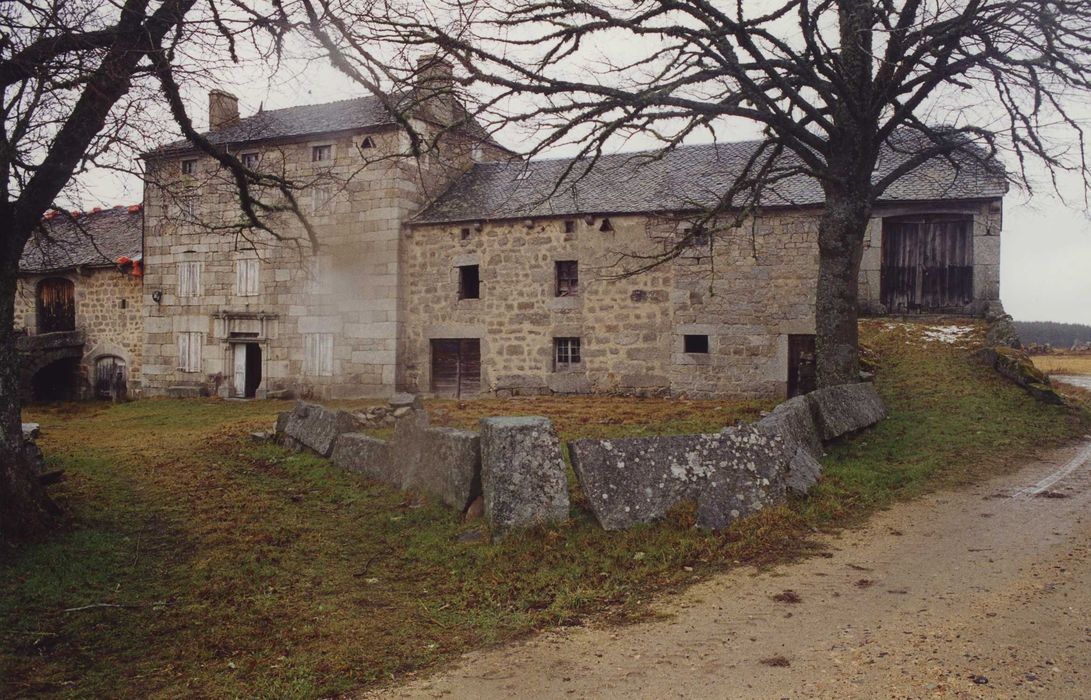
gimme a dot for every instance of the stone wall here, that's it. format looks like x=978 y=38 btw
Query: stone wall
x=516 y=464
x=108 y=311
x=753 y=289
x=747 y=294
x=349 y=288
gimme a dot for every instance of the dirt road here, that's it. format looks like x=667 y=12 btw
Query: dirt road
x=983 y=592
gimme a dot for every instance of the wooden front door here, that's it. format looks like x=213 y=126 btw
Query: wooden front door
x=246 y=377
x=927 y=264
x=801 y=369
x=456 y=367
x=239 y=375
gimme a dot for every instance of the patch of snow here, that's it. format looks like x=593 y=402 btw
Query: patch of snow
x=947 y=334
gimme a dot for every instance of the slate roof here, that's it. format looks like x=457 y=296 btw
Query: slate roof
x=293 y=122
x=92 y=240
x=306 y=120
x=686 y=179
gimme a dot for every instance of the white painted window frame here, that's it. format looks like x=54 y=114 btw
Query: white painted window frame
x=189 y=279
x=318 y=354
x=247 y=277
x=190 y=346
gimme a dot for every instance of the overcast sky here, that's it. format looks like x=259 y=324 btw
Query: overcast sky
x=1046 y=244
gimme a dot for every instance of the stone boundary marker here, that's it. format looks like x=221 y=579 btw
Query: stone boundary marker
x=523 y=474
x=516 y=463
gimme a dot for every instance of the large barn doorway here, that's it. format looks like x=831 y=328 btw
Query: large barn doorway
x=56 y=298
x=247 y=366
x=928 y=264
x=57 y=381
x=456 y=367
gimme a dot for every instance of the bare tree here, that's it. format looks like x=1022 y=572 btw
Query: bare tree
x=84 y=84
x=835 y=87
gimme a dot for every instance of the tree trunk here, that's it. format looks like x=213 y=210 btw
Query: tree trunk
x=25 y=509
x=840 y=247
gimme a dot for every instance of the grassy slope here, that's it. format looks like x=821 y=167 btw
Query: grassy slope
x=248 y=571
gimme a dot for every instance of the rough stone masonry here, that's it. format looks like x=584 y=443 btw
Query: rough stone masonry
x=523 y=475
x=728 y=475
x=516 y=462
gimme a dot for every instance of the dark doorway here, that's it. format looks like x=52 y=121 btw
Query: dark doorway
x=801 y=369
x=253 y=369
x=927 y=264
x=456 y=367
x=56 y=305
x=57 y=381
x=247 y=375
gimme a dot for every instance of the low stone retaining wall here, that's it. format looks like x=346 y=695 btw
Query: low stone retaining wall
x=728 y=475
x=515 y=464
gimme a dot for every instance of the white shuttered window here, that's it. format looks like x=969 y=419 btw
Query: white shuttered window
x=318 y=354
x=189 y=351
x=246 y=278
x=189 y=279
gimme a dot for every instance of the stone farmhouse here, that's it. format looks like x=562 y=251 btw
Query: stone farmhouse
x=78 y=301
x=467 y=271
x=250 y=314
x=515 y=287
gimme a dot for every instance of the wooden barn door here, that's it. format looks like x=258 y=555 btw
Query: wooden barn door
x=927 y=264
x=801 y=365
x=56 y=305
x=456 y=367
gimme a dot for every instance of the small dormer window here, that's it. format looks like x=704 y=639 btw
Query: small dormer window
x=320 y=154
x=189 y=166
x=367 y=143
x=250 y=160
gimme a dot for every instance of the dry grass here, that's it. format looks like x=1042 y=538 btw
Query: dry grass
x=246 y=571
x=1063 y=364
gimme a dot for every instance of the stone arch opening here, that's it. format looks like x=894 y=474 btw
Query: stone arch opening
x=111 y=377
x=56 y=381
x=56 y=302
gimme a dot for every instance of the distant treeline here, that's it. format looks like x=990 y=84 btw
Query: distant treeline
x=1059 y=335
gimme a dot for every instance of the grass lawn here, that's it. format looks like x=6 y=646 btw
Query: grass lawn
x=217 y=567
x=1063 y=364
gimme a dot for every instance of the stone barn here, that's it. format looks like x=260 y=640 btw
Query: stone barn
x=78 y=303
x=513 y=286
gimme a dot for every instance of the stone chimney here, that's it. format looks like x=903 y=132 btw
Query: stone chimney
x=435 y=87
x=223 y=109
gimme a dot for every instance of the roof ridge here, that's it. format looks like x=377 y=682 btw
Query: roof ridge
x=305 y=106
x=668 y=149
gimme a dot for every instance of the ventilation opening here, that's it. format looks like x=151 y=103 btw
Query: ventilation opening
x=696 y=237
x=569 y=226
x=606 y=225
x=464 y=233
x=367 y=143
x=697 y=344
x=469 y=282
